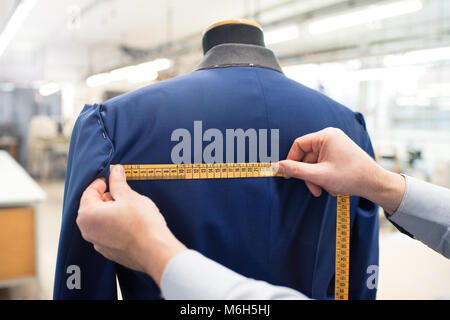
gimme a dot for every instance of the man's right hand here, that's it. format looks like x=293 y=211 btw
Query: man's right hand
x=330 y=160
x=126 y=227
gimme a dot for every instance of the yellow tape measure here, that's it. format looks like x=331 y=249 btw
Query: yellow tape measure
x=253 y=170
x=199 y=171
x=341 y=276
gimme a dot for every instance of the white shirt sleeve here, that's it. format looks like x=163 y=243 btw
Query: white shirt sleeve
x=425 y=213
x=190 y=275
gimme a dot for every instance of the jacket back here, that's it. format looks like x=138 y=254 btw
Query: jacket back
x=269 y=229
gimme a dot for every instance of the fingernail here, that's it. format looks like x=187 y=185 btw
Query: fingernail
x=278 y=168
x=275 y=167
x=119 y=169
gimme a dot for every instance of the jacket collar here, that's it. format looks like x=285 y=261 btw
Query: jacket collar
x=234 y=55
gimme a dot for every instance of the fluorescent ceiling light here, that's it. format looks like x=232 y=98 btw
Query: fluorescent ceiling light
x=281 y=35
x=142 y=75
x=49 y=89
x=98 y=80
x=402 y=73
x=418 y=57
x=121 y=73
x=143 y=72
x=15 y=22
x=367 y=15
x=156 y=65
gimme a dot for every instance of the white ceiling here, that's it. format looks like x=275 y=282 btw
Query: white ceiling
x=45 y=49
x=139 y=22
x=132 y=22
x=44 y=42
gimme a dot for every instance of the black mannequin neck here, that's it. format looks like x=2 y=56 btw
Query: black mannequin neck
x=232 y=33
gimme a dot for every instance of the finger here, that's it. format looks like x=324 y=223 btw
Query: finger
x=94 y=192
x=297 y=173
x=94 y=221
x=314 y=188
x=108 y=253
x=100 y=249
x=305 y=144
x=118 y=185
x=107 y=197
x=311 y=157
x=299 y=170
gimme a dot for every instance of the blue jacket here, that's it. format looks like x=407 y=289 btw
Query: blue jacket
x=269 y=229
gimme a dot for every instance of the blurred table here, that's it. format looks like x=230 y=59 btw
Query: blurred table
x=19 y=195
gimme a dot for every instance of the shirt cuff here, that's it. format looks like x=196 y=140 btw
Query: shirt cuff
x=400 y=210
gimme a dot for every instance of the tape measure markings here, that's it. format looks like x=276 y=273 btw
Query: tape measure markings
x=342 y=248
x=199 y=171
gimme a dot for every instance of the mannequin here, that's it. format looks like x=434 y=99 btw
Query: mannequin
x=236 y=42
x=233 y=31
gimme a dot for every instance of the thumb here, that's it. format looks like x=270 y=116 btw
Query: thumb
x=118 y=185
x=299 y=170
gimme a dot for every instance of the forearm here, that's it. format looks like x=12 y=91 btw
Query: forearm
x=158 y=250
x=384 y=188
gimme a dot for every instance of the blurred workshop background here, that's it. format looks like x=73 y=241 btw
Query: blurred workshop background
x=389 y=60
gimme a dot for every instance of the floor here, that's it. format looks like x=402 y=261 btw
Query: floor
x=408 y=269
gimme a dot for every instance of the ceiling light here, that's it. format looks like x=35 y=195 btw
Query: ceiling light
x=367 y=15
x=399 y=75
x=142 y=75
x=143 y=72
x=121 y=73
x=17 y=19
x=429 y=55
x=49 y=89
x=156 y=65
x=98 y=80
x=281 y=35
x=418 y=57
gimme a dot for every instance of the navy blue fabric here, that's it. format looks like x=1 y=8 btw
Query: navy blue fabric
x=270 y=229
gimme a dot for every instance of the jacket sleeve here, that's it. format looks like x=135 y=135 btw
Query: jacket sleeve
x=81 y=272
x=364 y=241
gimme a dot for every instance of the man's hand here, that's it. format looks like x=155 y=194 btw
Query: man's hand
x=125 y=226
x=330 y=160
